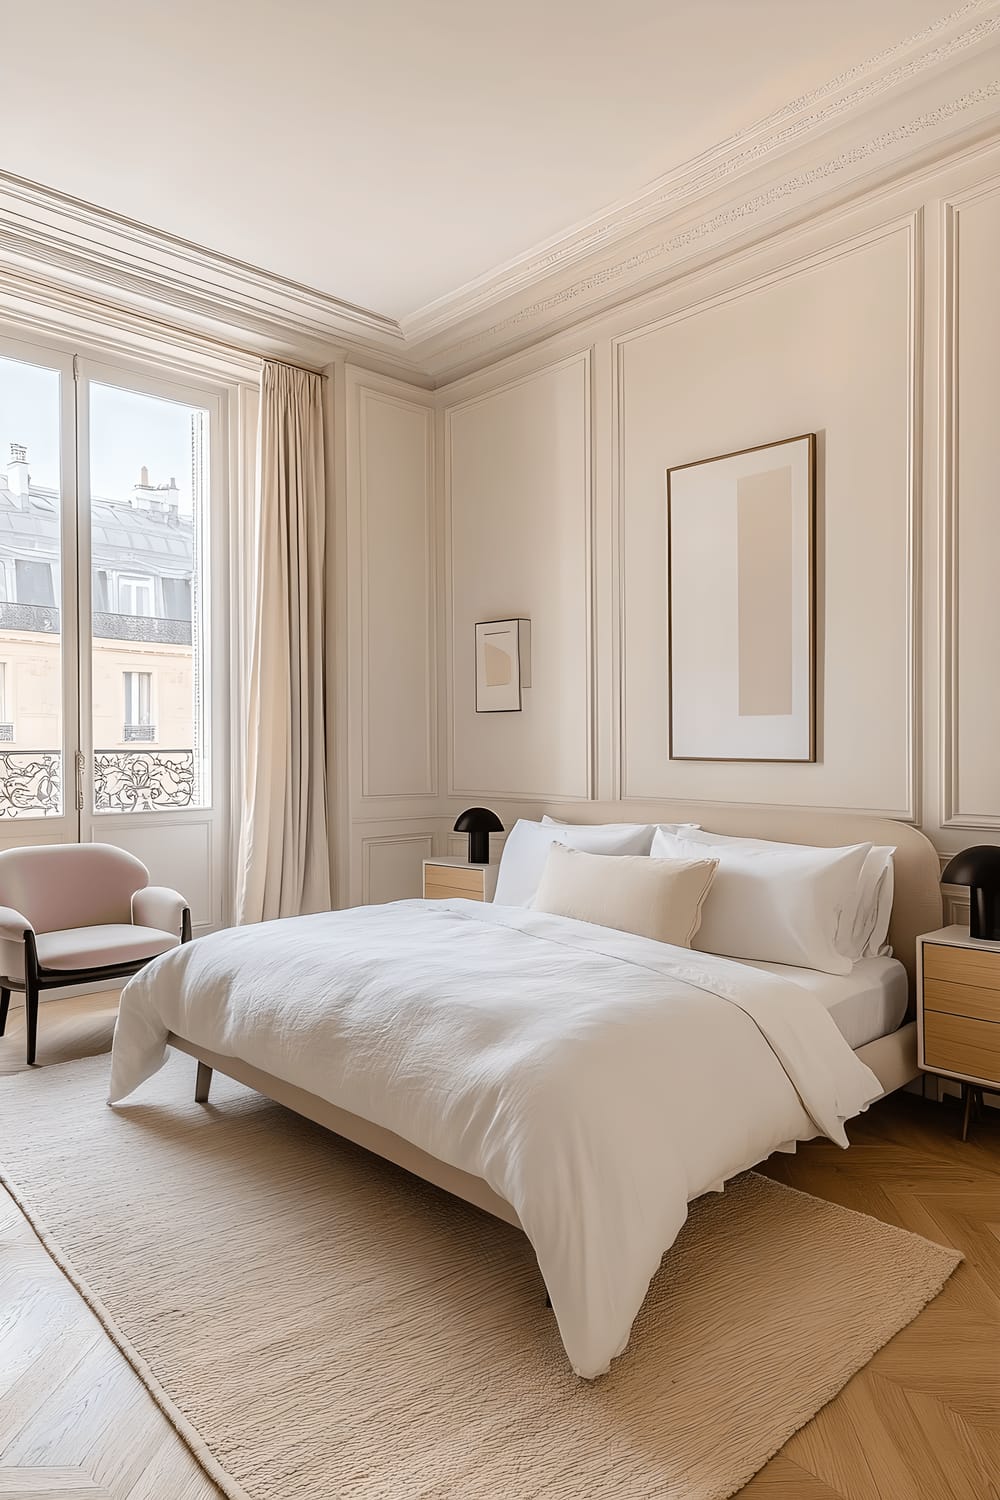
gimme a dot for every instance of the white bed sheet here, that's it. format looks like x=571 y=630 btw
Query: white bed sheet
x=563 y=1063
x=868 y=1003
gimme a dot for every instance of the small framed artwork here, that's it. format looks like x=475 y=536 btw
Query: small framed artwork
x=503 y=665
x=741 y=565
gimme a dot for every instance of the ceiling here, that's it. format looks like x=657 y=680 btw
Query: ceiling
x=389 y=152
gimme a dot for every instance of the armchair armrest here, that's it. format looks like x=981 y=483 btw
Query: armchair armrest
x=160 y=907
x=13 y=927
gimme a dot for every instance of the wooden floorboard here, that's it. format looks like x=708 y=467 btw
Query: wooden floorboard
x=920 y=1422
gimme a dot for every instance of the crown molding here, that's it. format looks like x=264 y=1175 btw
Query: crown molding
x=789 y=202
x=810 y=114
x=50 y=238
x=933 y=93
x=934 y=104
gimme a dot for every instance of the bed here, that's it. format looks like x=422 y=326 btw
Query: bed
x=502 y=1092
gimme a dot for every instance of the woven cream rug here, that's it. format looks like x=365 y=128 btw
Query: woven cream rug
x=320 y=1326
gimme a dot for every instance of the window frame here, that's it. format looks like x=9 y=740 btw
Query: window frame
x=136 y=581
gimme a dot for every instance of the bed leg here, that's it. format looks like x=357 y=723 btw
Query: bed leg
x=202 y=1083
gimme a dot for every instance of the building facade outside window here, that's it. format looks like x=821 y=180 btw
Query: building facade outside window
x=136 y=596
x=143 y=567
x=6 y=708
x=138 y=706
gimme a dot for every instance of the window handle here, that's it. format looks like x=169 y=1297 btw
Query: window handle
x=81 y=766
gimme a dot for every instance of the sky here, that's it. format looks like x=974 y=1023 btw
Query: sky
x=127 y=430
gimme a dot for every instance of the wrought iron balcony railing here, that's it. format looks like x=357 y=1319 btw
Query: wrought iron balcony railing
x=144 y=780
x=123 y=781
x=43 y=619
x=30 y=783
x=6 y=732
x=146 y=733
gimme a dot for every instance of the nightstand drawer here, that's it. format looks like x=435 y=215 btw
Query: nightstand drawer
x=971 y=1000
x=961 y=965
x=435 y=891
x=457 y=880
x=957 y=1044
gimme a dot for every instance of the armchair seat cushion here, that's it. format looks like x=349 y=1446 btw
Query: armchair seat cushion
x=100 y=947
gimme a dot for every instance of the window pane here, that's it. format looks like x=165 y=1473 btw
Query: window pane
x=149 y=508
x=31 y=728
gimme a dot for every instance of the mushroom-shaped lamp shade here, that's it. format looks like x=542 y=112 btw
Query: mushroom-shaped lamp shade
x=478 y=823
x=979 y=868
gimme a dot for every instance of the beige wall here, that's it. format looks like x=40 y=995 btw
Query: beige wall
x=878 y=328
x=387 y=600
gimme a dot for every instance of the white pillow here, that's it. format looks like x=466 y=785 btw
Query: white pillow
x=861 y=931
x=877 y=886
x=781 y=904
x=528 y=844
x=654 y=898
x=548 y=822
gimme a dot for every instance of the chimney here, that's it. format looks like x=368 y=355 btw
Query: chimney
x=161 y=501
x=18 y=478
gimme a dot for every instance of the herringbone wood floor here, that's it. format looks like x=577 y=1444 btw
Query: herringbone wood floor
x=920 y=1422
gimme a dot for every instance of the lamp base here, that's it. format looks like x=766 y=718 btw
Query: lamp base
x=479 y=847
x=984 y=914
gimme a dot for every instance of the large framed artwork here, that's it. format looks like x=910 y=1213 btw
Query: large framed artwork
x=741 y=565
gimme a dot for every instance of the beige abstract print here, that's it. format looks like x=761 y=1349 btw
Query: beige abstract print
x=764 y=582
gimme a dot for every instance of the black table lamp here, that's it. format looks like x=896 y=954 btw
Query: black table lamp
x=979 y=867
x=478 y=823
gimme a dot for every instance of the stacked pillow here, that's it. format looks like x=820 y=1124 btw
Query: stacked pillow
x=528 y=844
x=654 y=898
x=816 y=908
x=796 y=904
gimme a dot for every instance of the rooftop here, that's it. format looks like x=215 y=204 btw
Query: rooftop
x=147 y=528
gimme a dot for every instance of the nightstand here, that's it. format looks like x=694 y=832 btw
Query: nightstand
x=958 y=1011
x=451 y=875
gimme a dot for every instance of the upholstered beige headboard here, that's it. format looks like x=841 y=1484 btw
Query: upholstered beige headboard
x=917 y=903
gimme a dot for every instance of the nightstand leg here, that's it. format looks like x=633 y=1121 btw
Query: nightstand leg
x=968 y=1093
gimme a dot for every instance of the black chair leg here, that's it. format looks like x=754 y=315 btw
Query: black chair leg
x=4 y=1008
x=31 y=1018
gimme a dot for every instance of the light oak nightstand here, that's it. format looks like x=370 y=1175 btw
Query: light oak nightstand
x=451 y=876
x=958 y=1011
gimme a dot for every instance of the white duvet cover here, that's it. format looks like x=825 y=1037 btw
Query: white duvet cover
x=597 y=1081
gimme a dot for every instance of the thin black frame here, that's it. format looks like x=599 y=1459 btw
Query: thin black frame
x=519 y=620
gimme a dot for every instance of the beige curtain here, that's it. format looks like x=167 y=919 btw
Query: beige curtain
x=283 y=866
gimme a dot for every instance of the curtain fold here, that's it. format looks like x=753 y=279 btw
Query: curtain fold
x=283 y=864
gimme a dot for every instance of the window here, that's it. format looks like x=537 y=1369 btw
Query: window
x=176 y=598
x=34 y=581
x=135 y=597
x=138 y=706
x=6 y=713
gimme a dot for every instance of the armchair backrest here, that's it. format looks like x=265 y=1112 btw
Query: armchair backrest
x=71 y=885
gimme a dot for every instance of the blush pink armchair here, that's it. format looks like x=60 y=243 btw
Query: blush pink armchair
x=79 y=914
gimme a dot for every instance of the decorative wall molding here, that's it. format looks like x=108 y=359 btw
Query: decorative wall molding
x=581 y=357
x=952 y=813
x=911 y=226
x=371 y=844
x=367 y=396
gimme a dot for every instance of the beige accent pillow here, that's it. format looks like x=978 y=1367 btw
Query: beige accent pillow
x=654 y=898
